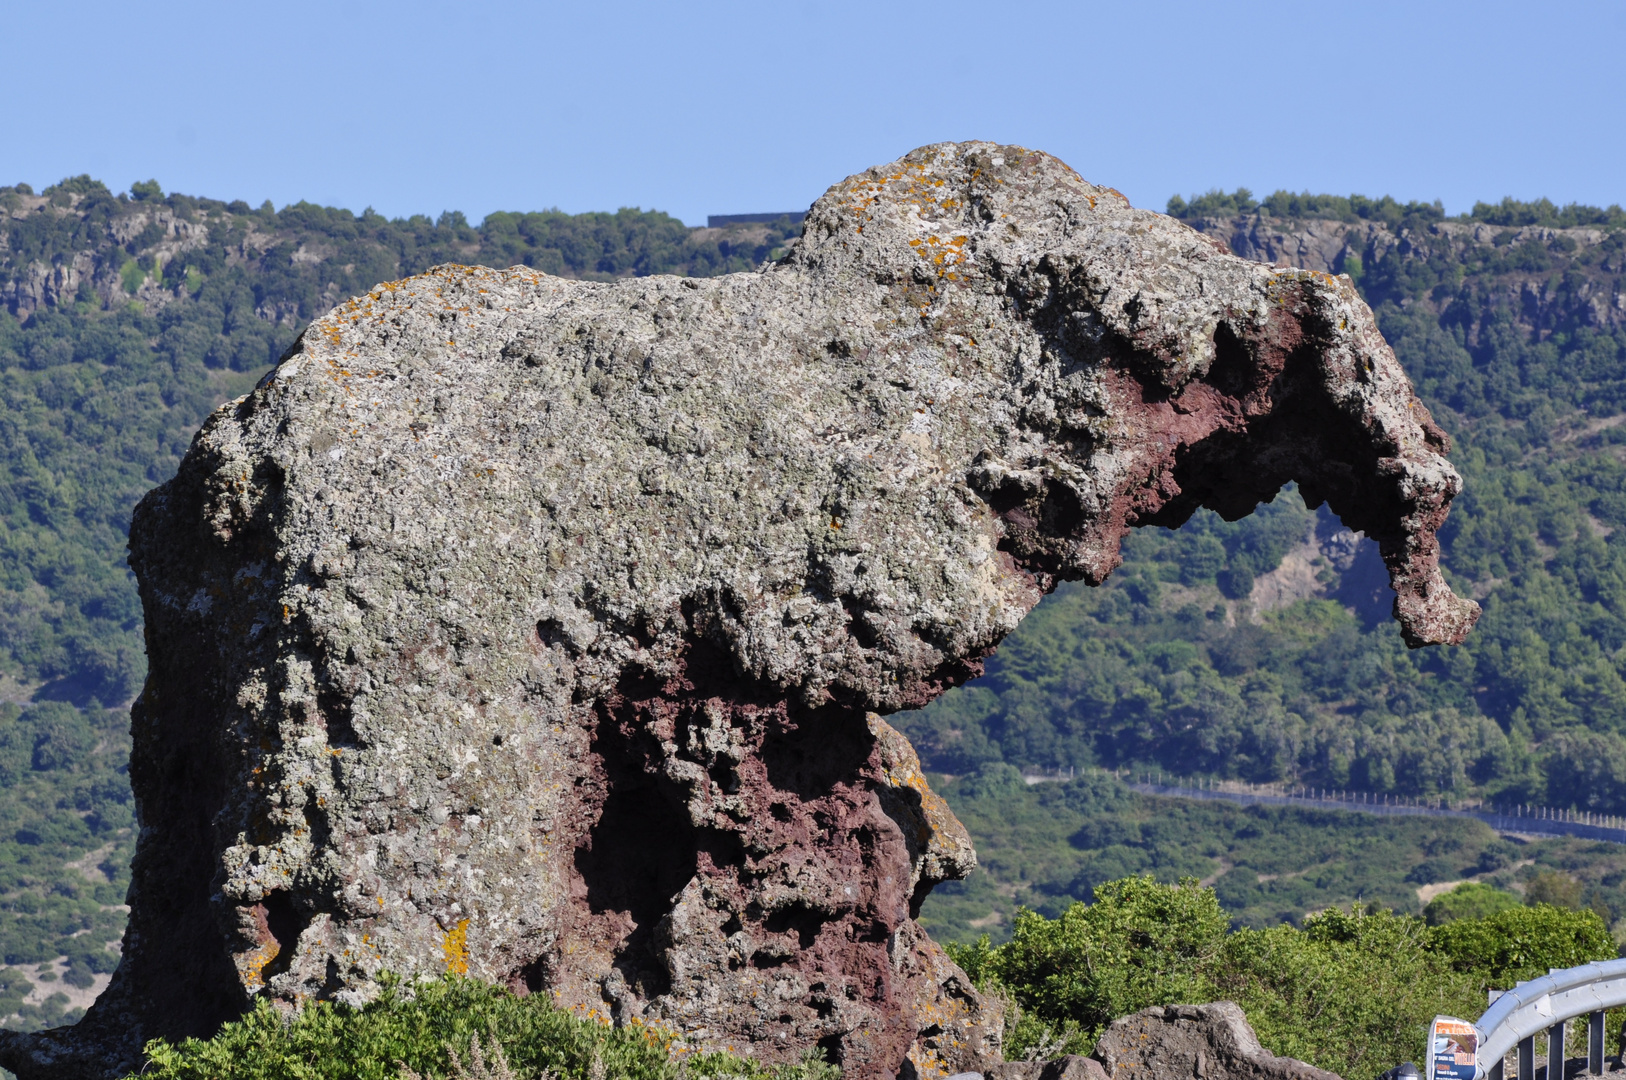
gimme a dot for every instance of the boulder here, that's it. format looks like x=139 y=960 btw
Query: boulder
x=1067 y=1067
x=1180 y=1042
x=540 y=630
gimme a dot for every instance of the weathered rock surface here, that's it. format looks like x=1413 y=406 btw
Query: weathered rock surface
x=536 y=628
x=1208 y=1042
x=1069 y=1067
x=1174 y=1042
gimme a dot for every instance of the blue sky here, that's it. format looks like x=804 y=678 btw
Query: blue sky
x=698 y=108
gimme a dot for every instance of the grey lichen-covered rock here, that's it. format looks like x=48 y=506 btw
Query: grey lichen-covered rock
x=1194 y=1042
x=1068 y=1067
x=536 y=628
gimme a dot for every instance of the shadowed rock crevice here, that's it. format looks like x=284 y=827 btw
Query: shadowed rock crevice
x=542 y=629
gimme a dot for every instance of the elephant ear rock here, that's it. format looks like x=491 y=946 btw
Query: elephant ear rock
x=539 y=630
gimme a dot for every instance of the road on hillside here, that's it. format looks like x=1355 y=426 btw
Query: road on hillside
x=1528 y=825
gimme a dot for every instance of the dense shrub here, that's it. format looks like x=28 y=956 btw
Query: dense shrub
x=1552 y=887
x=418 y=1027
x=1522 y=943
x=1139 y=944
x=1470 y=900
x=1350 y=991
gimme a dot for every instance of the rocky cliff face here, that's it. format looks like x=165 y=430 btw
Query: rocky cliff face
x=52 y=247
x=537 y=629
x=1551 y=280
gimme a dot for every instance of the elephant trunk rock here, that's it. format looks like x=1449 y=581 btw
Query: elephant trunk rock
x=537 y=629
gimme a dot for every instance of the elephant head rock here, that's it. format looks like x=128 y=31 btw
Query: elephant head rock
x=540 y=629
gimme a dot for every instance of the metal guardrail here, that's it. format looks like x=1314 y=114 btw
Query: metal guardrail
x=1546 y=1004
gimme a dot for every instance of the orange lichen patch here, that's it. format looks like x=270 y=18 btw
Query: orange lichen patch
x=456 y=947
x=251 y=965
x=947 y=1026
x=911 y=185
x=936 y=827
x=944 y=254
x=586 y=1012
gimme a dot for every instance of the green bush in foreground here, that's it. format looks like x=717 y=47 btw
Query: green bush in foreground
x=1522 y=943
x=1350 y=991
x=417 y=1029
x=1139 y=944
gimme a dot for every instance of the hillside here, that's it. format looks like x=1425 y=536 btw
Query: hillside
x=1258 y=649
x=1041 y=846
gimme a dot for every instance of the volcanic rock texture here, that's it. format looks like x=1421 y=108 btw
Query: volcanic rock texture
x=537 y=628
x=1178 y=1042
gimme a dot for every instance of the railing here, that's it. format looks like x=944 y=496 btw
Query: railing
x=1503 y=817
x=1545 y=1004
x=1538 y=820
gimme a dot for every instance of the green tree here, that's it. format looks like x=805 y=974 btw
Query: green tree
x=1140 y=944
x=1553 y=888
x=1522 y=943
x=1470 y=900
x=1351 y=992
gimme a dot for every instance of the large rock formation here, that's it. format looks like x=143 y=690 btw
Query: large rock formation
x=536 y=629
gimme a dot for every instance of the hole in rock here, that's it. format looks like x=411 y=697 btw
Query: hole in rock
x=552 y=632
x=533 y=978
x=1036 y=528
x=1232 y=370
x=823 y=748
x=721 y=849
x=1061 y=512
x=803 y=920
x=638 y=683
x=335 y=710
x=285 y=926
x=726 y=779
x=641 y=852
x=638 y=856
x=858 y=625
